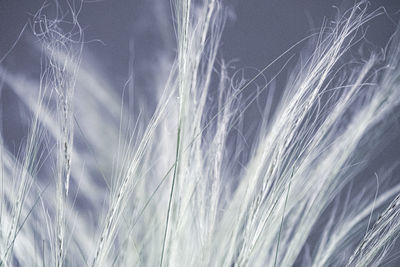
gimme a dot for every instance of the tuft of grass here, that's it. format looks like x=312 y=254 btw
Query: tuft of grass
x=190 y=181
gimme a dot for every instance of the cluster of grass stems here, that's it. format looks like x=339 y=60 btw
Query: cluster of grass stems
x=99 y=183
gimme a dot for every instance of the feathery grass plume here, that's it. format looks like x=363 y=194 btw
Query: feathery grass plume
x=58 y=79
x=178 y=184
x=378 y=240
